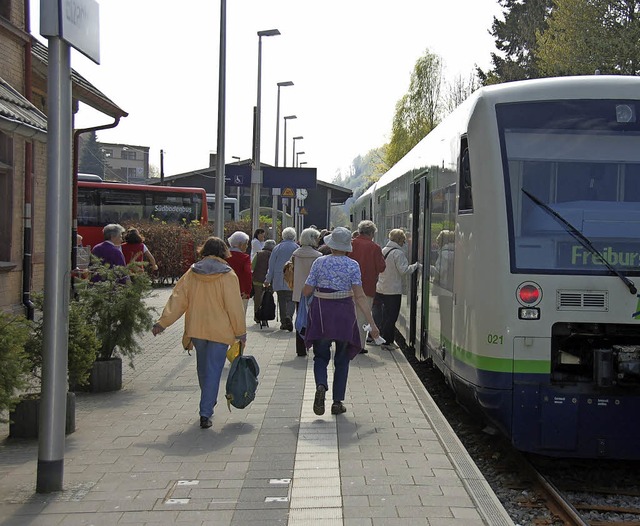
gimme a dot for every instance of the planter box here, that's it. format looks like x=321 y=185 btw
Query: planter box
x=106 y=376
x=25 y=417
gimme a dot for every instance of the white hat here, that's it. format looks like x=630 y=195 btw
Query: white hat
x=339 y=239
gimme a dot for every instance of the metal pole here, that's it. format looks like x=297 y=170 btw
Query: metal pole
x=161 y=167
x=53 y=405
x=274 y=198
x=256 y=173
x=221 y=122
x=284 y=157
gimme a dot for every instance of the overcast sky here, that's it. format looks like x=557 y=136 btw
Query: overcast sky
x=350 y=61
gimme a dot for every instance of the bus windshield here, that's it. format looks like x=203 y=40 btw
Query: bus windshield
x=581 y=158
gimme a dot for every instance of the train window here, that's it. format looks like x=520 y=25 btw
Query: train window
x=632 y=183
x=465 y=203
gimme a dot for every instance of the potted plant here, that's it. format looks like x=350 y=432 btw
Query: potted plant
x=83 y=346
x=14 y=363
x=115 y=301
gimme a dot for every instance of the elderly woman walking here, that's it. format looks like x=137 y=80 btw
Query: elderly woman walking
x=389 y=286
x=279 y=256
x=240 y=262
x=209 y=296
x=303 y=258
x=335 y=282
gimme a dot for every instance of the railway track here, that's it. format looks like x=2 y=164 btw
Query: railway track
x=539 y=491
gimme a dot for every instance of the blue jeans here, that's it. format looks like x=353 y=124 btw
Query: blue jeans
x=210 y=358
x=322 y=356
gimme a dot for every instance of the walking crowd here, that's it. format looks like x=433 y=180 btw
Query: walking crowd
x=343 y=288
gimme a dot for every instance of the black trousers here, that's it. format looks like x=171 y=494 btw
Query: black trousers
x=389 y=309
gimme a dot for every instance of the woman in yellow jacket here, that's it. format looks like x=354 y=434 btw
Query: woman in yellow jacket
x=209 y=296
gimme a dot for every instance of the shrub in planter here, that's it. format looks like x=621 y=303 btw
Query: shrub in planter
x=14 y=362
x=115 y=302
x=83 y=343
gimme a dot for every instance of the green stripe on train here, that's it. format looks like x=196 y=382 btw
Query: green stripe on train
x=499 y=365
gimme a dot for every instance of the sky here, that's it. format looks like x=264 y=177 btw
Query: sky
x=350 y=62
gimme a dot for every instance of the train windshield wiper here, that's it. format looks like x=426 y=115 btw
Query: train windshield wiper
x=582 y=239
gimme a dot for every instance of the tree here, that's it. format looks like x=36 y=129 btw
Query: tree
x=588 y=35
x=91 y=156
x=515 y=38
x=459 y=90
x=418 y=111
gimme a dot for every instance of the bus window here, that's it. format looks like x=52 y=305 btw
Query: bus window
x=119 y=205
x=174 y=208
x=88 y=207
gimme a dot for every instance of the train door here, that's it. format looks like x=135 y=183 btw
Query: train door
x=419 y=247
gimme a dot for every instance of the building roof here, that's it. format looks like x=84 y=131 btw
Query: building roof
x=339 y=194
x=18 y=115
x=82 y=89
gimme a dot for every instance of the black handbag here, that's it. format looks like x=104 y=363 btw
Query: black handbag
x=267 y=309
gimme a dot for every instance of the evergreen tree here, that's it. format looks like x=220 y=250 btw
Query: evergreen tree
x=515 y=38
x=91 y=156
x=588 y=35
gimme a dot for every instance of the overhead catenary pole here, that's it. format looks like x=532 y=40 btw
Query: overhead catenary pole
x=221 y=123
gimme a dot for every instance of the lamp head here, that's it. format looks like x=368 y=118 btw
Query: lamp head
x=299 y=153
x=285 y=83
x=268 y=33
x=298 y=137
x=290 y=117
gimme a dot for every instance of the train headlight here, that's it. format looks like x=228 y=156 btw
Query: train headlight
x=529 y=294
x=529 y=313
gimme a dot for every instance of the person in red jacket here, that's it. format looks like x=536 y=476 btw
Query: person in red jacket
x=369 y=256
x=240 y=262
x=134 y=249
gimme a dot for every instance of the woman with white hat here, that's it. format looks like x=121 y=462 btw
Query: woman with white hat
x=335 y=282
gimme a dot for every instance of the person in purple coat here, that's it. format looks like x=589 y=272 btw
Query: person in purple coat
x=336 y=285
x=109 y=250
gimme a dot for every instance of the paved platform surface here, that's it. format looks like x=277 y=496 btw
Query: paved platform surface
x=138 y=456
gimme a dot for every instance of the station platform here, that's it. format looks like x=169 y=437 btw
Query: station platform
x=138 y=456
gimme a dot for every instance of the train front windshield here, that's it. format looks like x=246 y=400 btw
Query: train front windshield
x=577 y=161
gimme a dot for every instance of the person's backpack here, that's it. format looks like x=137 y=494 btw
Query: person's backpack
x=242 y=382
x=266 y=309
x=287 y=273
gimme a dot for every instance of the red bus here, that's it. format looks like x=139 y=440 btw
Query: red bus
x=101 y=203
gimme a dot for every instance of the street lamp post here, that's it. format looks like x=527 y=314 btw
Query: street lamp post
x=286 y=118
x=238 y=208
x=298 y=217
x=256 y=174
x=293 y=157
x=293 y=163
x=274 y=191
x=222 y=83
x=284 y=211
